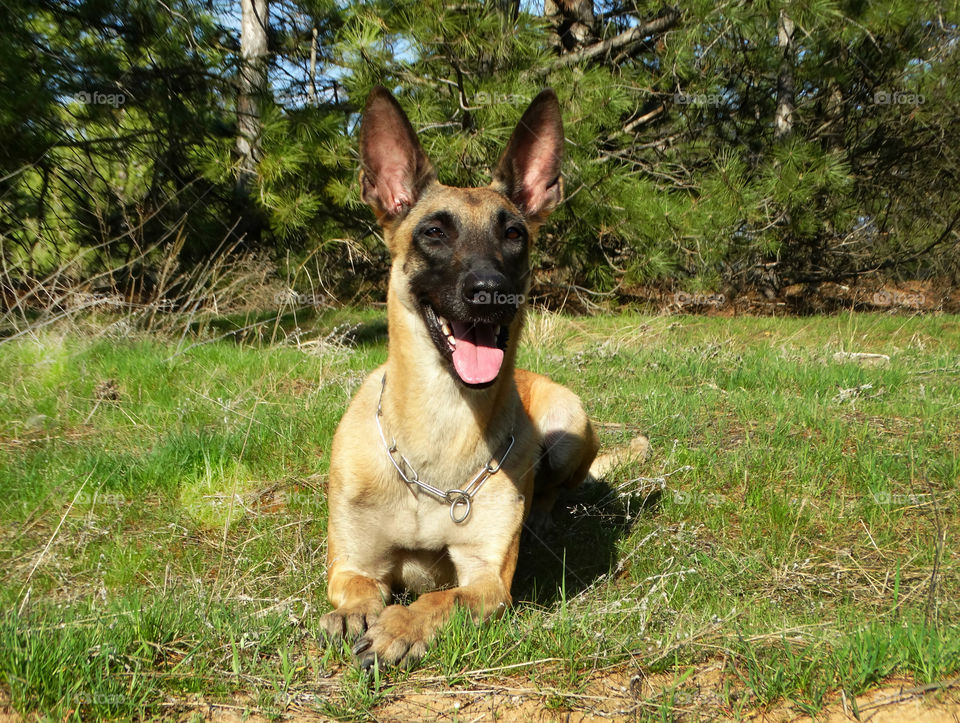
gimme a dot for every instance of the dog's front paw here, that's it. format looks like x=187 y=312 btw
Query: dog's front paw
x=350 y=621
x=399 y=637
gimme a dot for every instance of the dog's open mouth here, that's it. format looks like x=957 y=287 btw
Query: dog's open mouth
x=476 y=348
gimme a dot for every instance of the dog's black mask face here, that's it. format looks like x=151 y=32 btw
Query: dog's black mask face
x=463 y=252
x=467 y=269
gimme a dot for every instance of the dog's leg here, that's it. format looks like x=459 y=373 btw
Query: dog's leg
x=401 y=633
x=636 y=450
x=358 y=600
x=568 y=442
x=357 y=596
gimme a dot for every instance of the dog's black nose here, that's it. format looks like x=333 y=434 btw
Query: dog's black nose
x=484 y=287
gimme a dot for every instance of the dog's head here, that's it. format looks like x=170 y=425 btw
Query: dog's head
x=461 y=255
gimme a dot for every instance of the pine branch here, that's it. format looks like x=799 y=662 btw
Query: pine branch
x=645 y=118
x=634 y=35
x=917 y=255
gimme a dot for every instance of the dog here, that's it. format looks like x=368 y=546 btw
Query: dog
x=447 y=449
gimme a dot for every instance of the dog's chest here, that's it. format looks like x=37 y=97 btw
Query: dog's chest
x=424 y=522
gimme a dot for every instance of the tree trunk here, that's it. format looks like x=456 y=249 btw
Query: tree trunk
x=510 y=8
x=783 y=120
x=573 y=21
x=253 y=86
x=313 y=67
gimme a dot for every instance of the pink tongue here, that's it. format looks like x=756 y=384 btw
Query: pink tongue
x=476 y=357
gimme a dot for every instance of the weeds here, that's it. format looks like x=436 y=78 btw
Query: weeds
x=163 y=521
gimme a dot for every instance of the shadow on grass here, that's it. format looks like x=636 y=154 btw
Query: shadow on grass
x=368 y=333
x=272 y=326
x=581 y=546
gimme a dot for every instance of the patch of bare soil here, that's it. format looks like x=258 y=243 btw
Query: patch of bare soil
x=617 y=693
x=621 y=694
x=710 y=694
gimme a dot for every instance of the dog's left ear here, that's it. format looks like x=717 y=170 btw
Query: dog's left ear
x=528 y=172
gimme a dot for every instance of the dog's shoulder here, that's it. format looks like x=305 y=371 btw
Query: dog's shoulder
x=357 y=433
x=534 y=388
x=526 y=381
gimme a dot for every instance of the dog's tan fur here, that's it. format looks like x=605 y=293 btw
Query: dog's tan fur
x=386 y=535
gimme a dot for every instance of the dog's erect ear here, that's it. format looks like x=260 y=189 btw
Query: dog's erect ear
x=394 y=168
x=528 y=172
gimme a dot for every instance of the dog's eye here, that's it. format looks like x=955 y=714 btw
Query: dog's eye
x=434 y=241
x=514 y=234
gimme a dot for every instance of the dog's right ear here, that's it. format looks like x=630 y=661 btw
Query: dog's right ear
x=394 y=169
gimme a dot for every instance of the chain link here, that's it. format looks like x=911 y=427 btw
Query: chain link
x=458 y=498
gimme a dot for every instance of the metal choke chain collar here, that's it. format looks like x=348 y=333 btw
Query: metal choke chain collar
x=458 y=499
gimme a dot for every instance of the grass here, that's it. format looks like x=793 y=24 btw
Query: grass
x=162 y=520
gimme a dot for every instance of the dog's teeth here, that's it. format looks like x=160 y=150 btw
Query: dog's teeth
x=496 y=332
x=446 y=329
x=452 y=340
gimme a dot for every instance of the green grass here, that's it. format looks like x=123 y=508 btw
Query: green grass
x=162 y=519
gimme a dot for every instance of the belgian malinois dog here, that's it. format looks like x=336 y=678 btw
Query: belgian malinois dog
x=447 y=448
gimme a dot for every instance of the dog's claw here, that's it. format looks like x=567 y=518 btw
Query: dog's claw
x=395 y=639
x=362 y=644
x=368 y=661
x=346 y=624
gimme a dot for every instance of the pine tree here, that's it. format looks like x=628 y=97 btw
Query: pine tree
x=749 y=144
x=728 y=144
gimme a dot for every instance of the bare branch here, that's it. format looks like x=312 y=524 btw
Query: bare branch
x=656 y=26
